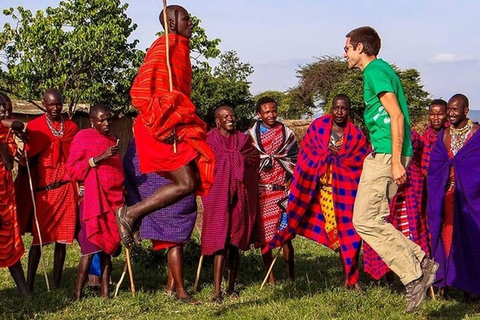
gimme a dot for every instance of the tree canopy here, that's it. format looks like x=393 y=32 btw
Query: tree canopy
x=80 y=47
x=321 y=80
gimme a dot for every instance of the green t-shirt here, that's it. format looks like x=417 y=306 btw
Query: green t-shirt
x=379 y=77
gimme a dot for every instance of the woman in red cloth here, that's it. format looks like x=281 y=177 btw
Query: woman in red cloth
x=11 y=244
x=170 y=137
x=95 y=164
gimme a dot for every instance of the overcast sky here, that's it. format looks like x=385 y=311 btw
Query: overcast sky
x=439 y=38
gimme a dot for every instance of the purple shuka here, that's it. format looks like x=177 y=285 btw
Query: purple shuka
x=461 y=269
x=174 y=223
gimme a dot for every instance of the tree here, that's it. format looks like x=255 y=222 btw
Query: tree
x=328 y=76
x=226 y=83
x=80 y=47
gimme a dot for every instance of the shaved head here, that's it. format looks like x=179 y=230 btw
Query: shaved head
x=461 y=98
x=219 y=110
x=178 y=20
x=50 y=93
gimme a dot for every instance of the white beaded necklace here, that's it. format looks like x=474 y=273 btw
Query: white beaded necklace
x=459 y=136
x=56 y=133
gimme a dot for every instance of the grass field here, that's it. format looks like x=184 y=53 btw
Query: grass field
x=317 y=292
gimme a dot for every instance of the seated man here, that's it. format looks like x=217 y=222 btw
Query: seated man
x=453 y=209
x=169 y=228
x=324 y=185
x=11 y=244
x=170 y=137
x=95 y=164
x=230 y=209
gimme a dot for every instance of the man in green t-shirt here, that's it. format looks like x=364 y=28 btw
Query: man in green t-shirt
x=388 y=122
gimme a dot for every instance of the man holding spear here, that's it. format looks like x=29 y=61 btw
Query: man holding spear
x=170 y=137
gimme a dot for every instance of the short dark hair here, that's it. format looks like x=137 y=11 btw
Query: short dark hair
x=264 y=100
x=366 y=36
x=438 y=102
x=96 y=108
x=461 y=97
x=341 y=97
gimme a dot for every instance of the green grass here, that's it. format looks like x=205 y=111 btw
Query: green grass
x=317 y=292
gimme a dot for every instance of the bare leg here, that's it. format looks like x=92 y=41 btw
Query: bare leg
x=233 y=259
x=288 y=256
x=267 y=262
x=170 y=282
x=185 y=182
x=33 y=260
x=175 y=265
x=82 y=274
x=218 y=266
x=19 y=277
x=106 y=265
x=58 y=261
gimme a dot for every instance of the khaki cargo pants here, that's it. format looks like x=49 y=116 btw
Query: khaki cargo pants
x=375 y=189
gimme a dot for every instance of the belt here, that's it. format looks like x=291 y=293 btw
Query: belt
x=273 y=187
x=52 y=186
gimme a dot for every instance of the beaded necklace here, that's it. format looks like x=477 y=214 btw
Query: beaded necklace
x=459 y=136
x=56 y=133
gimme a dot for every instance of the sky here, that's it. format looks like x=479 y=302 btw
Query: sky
x=438 y=38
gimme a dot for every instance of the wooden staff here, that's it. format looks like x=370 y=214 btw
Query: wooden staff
x=432 y=293
x=124 y=272
x=197 y=276
x=270 y=269
x=42 y=257
x=130 y=272
x=169 y=68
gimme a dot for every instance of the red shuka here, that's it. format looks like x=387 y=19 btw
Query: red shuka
x=56 y=208
x=103 y=187
x=11 y=245
x=161 y=111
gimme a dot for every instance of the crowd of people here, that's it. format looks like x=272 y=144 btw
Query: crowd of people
x=411 y=200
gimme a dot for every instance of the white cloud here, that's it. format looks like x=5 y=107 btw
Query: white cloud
x=451 y=57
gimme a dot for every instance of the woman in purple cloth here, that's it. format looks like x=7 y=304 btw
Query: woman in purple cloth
x=168 y=228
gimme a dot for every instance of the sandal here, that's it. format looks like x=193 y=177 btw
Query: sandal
x=189 y=299
x=124 y=228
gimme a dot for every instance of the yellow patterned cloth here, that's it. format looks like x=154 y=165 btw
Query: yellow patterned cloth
x=326 y=200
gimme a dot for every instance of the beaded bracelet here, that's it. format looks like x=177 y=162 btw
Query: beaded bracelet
x=91 y=162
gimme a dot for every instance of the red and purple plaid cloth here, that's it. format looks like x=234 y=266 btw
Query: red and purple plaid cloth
x=305 y=215
x=417 y=220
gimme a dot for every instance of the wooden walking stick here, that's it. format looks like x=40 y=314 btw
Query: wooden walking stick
x=124 y=272
x=169 y=68
x=432 y=293
x=130 y=272
x=42 y=257
x=270 y=269
x=197 y=276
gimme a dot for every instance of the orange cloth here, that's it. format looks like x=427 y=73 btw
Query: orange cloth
x=161 y=111
x=11 y=245
x=56 y=208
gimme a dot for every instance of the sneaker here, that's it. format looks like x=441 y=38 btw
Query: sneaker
x=429 y=269
x=415 y=294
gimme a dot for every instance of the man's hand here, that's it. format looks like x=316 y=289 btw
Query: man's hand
x=333 y=149
x=108 y=153
x=399 y=173
x=171 y=139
